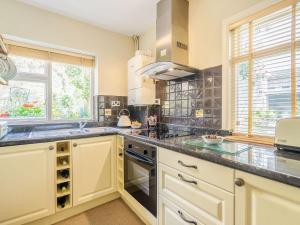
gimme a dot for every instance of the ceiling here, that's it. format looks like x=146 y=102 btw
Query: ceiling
x=123 y=16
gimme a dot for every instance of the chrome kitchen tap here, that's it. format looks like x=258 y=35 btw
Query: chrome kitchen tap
x=82 y=125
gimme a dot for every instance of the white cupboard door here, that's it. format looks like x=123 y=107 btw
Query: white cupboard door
x=94 y=168
x=260 y=201
x=27 y=188
x=132 y=98
x=209 y=204
x=171 y=214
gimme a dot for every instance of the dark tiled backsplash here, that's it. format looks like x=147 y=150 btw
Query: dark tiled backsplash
x=141 y=113
x=105 y=113
x=181 y=99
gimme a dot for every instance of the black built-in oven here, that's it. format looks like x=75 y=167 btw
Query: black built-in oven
x=140 y=173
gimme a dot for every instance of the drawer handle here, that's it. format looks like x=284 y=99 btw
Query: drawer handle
x=185 y=219
x=74 y=144
x=185 y=165
x=185 y=180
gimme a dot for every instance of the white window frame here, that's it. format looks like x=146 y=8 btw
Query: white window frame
x=227 y=79
x=48 y=84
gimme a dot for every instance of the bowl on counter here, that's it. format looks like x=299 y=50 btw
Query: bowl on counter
x=212 y=139
x=136 y=126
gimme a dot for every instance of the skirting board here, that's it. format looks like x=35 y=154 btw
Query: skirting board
x=59 y=216
x=139 y=210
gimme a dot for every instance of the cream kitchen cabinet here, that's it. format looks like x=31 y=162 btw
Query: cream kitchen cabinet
x=141 y=90
x=260 y=201
x=171 y=214
x=27 y=188
x=94 y=168
x=192 y=184
x=208 y=204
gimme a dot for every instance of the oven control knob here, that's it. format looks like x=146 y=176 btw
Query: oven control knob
x=145 y=152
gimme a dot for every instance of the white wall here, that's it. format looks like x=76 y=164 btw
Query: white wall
x=205 y=30
x=112 y=50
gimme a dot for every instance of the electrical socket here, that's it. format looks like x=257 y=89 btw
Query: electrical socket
x=199 y=113
x=107 y=112
x=115 y=103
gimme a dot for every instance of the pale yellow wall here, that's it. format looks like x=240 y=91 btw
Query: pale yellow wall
x=205 y=29
x=113 y=50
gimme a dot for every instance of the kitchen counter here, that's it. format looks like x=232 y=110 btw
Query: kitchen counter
x=40 y=136
x=260 y=160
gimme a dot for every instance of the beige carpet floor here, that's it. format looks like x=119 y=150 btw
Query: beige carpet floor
x=112 y=213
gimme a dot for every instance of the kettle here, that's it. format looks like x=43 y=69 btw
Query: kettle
x=124 y=120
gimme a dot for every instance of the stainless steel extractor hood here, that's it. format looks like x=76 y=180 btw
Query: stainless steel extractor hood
x=171 y=42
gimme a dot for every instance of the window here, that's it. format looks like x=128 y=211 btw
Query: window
x=265 y=66
x=48 y=86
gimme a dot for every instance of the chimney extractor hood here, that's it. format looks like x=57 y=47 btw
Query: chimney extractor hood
x=171 y=42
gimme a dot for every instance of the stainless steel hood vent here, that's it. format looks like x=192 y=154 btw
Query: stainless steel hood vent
x=171 y=42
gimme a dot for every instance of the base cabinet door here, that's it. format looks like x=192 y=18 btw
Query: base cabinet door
x=27 y=188
x=171 y=214
x=94 y=168
x=209 y=204
x=260 y=201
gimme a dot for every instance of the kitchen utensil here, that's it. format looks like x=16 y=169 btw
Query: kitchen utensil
x=8 y=69
x=208 y=139
x=124 y=120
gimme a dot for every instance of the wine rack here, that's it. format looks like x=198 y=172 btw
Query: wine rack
x=63 y=176
x=120 y=163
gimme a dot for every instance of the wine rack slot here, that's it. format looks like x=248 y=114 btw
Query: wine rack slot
x=63 y=176
x=63 y=161
x=63 y=202
x=63 y=148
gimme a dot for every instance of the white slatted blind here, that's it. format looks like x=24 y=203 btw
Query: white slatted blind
x=266 y=70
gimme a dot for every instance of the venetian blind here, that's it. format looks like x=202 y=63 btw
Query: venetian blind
x=54 y=55
x=265 y=60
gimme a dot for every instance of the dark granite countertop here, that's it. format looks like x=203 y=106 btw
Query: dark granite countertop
x=260 y=160
x=41 y=136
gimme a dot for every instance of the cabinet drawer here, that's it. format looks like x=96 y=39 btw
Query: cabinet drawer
x=171 y=214
x=209 y=204
x=212 y=173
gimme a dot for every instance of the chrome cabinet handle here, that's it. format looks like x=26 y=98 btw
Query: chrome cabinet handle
x=51 y=148
x=185 y=219
x=239 y=182
x=185 y=180
x=185 y=165
x=74 y=144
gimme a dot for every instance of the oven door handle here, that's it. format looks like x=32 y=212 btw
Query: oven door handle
x=140 y=159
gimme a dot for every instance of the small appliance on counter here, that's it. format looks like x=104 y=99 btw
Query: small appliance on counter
x=124 y=120
x=287 y=134
x=152 y=122
x=3 y=129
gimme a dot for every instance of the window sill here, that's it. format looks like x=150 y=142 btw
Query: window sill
x=251 y=139
x=44 y=122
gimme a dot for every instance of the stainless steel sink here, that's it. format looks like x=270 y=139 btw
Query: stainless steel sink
x=88 y=130
x=66 y=132
x=83 y=131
